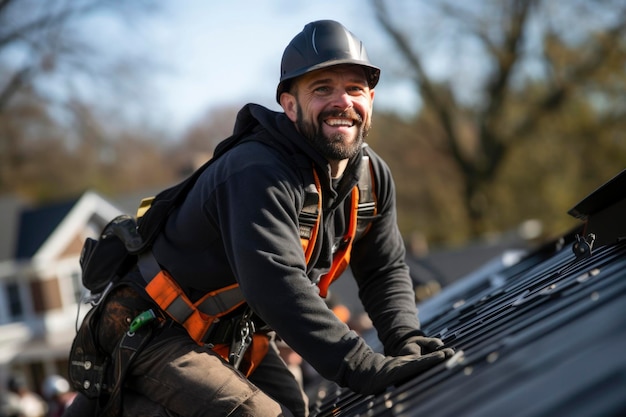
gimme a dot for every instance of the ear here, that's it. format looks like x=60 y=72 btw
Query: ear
x=370 y=109
x=290 y=105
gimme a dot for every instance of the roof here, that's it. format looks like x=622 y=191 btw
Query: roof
x=42 y=232
x=37 y=224
x=448 y=265
x=28 y=231
x=544 y=336
x=443 y=266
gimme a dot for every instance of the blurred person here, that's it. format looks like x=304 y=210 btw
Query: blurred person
x=56 y=390
x=9 y=404
x=292 y=360
x=30 y=403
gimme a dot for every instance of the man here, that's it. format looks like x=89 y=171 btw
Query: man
x=241 y=224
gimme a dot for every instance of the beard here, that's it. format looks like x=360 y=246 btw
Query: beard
x=333 y=147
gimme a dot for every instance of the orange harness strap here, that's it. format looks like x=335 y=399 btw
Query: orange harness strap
x=341 y=259
x=363 y=206
x=253 y=356
x=197 y=318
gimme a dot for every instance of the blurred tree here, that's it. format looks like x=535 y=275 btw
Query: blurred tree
x=110 y=159
x=523 y=94
x=42 y=40
x=428 y=186
x=199 y=141
x=47 y=67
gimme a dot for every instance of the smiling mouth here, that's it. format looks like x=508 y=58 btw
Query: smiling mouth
x=334 y=122
x=338 y=119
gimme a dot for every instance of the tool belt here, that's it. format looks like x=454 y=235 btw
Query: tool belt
x=106 y=345
x=108 y=341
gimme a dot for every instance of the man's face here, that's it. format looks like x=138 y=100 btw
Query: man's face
x=332 y=108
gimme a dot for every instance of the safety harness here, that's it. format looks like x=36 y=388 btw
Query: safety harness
x=200 y=318
x=205 y=319
x=214 y=319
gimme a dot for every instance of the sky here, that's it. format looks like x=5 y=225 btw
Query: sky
x=218 y=53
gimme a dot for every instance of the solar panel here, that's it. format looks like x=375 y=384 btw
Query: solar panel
x=544 y=337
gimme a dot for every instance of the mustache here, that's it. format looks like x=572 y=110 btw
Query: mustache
x=348 y=114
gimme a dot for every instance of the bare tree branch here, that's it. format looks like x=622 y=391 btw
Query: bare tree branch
x=16 y=83
x=425 y=85
x=506 y=112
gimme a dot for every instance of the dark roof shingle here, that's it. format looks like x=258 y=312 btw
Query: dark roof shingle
x=37 y=224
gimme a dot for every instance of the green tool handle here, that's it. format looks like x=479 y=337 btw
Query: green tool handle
x=141 y=320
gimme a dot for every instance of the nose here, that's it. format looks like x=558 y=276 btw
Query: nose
x=342 y=100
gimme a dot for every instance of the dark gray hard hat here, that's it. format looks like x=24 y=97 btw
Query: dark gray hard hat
x=323 y=44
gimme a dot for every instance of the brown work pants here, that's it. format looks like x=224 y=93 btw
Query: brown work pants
x=174 y=376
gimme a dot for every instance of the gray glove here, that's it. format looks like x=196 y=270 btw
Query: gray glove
x=373 y=372
x=418 y=345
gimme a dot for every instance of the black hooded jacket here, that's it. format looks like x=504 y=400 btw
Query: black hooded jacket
x=239 y=224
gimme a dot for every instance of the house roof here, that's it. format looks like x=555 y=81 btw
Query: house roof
x=37 y=224
x=544 y=336
x=41 y=232
x=26 y=230
x=448 y=265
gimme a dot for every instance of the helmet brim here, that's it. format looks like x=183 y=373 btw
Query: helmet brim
x=372 y=72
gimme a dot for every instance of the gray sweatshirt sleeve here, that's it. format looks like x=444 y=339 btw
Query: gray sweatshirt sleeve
x=378 y=264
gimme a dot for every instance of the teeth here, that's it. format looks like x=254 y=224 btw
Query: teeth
x=339 y=122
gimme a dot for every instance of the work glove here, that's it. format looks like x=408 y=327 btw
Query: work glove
x=418 y=345
x=372 y=373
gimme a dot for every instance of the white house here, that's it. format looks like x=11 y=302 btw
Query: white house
x=40 y=281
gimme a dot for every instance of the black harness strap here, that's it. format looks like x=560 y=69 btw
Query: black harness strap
x=124 y=354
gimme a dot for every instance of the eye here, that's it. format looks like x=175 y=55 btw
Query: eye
x=356 y=89
x=322 y=89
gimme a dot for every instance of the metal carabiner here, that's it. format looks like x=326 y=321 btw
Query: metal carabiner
x=242 y=339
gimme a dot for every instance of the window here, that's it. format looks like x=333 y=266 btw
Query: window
x=16 y=309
